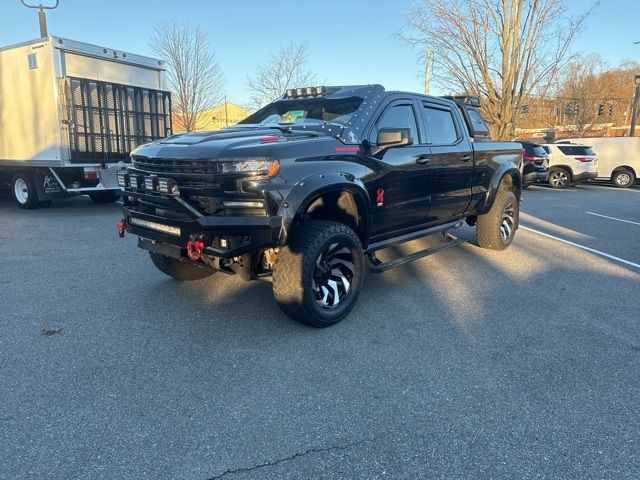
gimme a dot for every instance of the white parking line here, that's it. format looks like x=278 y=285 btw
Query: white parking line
x=596 y=186
x=582 y=247
x=613 y=218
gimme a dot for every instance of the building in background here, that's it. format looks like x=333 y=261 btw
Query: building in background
x=220 y=116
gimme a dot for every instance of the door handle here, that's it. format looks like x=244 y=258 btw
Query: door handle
x=466 y=158
x=423 y=160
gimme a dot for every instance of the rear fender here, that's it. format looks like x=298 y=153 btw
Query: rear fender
x=507 y=169
x=314 y=186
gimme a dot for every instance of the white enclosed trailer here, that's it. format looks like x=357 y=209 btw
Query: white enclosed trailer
x=70 y=115
x=618 y=159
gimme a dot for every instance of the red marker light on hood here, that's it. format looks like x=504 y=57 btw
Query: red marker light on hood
x=270 y=139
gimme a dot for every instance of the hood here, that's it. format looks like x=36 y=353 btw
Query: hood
x=233 y=142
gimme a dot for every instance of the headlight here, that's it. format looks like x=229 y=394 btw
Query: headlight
x=254 y=166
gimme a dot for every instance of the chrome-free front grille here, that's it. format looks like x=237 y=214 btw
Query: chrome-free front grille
x=167 y=165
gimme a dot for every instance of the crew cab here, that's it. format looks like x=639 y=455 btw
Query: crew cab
x=305 y=191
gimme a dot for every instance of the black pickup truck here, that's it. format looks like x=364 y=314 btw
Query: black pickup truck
x=305 y=191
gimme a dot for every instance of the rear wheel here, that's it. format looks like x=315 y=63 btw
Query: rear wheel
x=24 y=191
x=178 y=269
x=559 y=178
x=318 y=275
x=623 y=178
x=496 y=228
x=106 y=196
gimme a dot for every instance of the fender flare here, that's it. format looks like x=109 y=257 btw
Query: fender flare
x=309 y=188
x=506 y=168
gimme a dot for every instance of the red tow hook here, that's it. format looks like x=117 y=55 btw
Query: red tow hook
x=121 y=228
x=195 y=249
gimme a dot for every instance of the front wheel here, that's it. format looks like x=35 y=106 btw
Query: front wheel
x=318 y=275
x=623 y=178
x=496 y=228
x=178 y=269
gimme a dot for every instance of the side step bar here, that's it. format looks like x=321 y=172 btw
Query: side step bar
x=377 y=266
x=413 y=236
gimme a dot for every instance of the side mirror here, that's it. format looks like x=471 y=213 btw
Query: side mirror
x=393 y=137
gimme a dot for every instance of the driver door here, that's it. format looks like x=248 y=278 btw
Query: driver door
x=401 y=195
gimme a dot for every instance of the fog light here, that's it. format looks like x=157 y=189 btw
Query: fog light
x=122 y=179
x=135 y=182
x=150 y=183
x=168 y=185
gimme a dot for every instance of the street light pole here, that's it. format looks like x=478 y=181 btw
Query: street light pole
x=634 y=110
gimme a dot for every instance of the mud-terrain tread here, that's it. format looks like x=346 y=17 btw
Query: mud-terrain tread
x=291 y=268
x=488 y=225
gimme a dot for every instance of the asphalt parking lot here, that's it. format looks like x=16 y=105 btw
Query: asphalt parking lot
x=468 y=364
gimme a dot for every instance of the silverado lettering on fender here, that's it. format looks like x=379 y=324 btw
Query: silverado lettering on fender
x=306 y=191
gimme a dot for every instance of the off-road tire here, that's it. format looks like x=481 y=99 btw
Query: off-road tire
x=294 y=269
x=178 y=269
x=106 y=196
x=559 y=171
x=29 y=199
x=623 y=173
x=489 y=225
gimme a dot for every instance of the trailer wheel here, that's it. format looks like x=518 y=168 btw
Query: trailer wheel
x=105 y=196
x=24 y=191
x=178 y=269
x=623 y=178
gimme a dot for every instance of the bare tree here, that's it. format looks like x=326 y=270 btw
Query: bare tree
x=285 y=69
x=194 y=76
x=499 y=50
x=583 y=93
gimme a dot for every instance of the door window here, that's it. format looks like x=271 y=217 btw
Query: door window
x=397 y=116
x=440 y=125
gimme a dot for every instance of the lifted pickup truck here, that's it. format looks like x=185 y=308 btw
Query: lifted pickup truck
x=307 y=190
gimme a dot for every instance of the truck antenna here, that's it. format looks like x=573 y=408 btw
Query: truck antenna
x=42 y=18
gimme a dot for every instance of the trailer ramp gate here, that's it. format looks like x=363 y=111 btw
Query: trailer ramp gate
x=108 y=120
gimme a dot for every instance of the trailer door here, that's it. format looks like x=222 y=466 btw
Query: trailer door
x=108 y=120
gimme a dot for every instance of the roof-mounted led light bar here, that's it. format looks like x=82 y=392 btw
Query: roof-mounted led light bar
x=470 y=100
x=305 y=92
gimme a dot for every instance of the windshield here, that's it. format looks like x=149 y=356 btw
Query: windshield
x=306 y=111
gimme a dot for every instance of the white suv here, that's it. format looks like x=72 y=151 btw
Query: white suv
x=570 y=163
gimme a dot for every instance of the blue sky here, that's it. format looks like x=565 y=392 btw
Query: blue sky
x=350 y=42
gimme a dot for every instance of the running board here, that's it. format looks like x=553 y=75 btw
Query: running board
x=414 y=236
x=376 y=266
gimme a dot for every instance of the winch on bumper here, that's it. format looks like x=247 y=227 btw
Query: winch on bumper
x=218 y=236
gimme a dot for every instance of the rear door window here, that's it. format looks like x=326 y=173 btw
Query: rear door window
x=575 y=150
x=441 y=126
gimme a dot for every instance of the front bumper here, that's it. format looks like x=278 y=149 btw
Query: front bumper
x=584 y=177
x=223 y=236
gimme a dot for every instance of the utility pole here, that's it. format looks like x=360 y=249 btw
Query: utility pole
x=42 y=18
x=427 y=72
x=226 y=112
x=634 y=109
